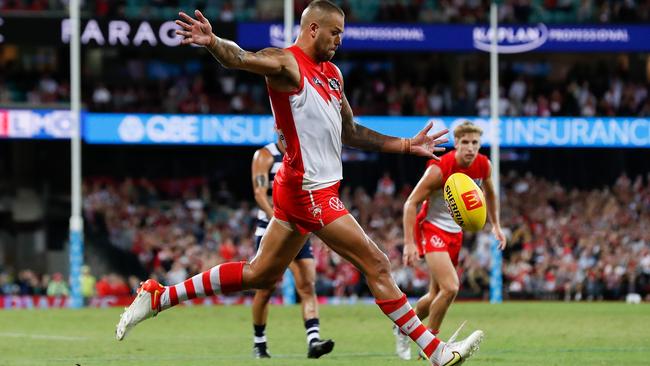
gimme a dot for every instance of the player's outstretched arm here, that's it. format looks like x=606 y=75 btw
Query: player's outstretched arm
x=356 y=135
x=430 y=181
x=493 y=209
x=267 y=62
x=262 y=162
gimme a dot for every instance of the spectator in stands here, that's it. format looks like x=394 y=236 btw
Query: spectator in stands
x=88 y=282
x=57 y=286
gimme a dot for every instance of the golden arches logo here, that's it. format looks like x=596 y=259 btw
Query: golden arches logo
x=472 y=200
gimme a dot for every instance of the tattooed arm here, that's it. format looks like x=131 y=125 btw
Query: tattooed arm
x=356 y=135
x=270 y=62
x=262 y=162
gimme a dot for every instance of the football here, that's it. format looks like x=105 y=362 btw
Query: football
x=465 y=202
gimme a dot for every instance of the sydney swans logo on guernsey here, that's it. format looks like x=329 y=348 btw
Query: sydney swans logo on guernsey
x=317 y=81
x=471 y=200
x=334 y=84
x=336 y=204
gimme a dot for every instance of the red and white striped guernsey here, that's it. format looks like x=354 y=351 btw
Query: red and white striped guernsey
x=308 y=121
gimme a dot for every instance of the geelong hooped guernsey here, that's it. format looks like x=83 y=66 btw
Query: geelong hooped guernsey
x=262 y=219
x=435 y=207
x=308 y=121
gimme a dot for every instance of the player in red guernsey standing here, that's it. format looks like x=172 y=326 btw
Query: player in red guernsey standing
x=313 y=120
x=434 y=235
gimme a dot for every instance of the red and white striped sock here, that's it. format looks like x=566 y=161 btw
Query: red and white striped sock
x=401 y=313
x=221 y=279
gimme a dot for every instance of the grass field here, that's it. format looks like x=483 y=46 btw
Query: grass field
x=516 y=334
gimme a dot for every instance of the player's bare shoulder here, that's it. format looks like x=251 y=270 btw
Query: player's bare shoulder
x=287 y=78
x=262 y=157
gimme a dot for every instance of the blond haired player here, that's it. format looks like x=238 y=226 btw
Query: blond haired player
x=434 y=235
x=313 y=119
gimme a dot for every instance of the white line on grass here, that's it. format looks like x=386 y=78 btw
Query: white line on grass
x=41 y=336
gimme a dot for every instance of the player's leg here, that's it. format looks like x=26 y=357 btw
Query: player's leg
x=304 y=272
x=424 y=302
x=441 y=250
x=348 y=239
x=345 y=236
x=402 y=346
x=442 y=269
x=260 y=310
x=280 y=244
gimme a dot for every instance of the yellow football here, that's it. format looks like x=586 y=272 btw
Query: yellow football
x=465 y=202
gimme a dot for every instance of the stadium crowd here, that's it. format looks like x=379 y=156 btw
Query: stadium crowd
x=424 y=11
x=563 y=243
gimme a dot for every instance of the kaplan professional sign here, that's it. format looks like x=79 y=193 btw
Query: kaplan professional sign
x=454 y=38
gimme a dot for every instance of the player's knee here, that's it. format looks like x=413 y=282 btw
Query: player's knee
x=306 y=288
x=271 y=288
x=380 y=266
x=449 y=290
x=427 y=299
x=266 y=293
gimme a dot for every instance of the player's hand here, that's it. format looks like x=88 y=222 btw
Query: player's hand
x=194 y=31
x=425 y=145
x=410 y=255
x=500 y=237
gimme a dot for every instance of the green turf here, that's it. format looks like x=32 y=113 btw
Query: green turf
x=516 y=334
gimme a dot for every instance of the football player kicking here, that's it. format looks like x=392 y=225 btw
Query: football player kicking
x=313 y=120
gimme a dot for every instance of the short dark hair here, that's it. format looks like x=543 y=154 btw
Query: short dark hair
x=325 y=5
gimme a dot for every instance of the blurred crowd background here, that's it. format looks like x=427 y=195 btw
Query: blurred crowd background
x=567 y=244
